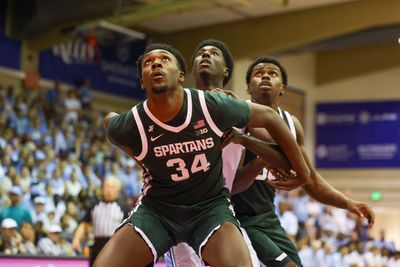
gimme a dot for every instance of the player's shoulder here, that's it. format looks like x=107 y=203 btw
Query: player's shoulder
x=122 y=119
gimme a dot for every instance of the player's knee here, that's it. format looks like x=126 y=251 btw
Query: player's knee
x=242 y=260
x=290 y=264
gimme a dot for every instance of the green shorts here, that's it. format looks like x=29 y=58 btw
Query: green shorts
x=164 y=225
x=270 y=240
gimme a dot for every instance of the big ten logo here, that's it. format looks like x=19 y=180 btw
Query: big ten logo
x=78 y=52
x=201 y=131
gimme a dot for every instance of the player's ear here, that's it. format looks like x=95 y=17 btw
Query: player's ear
x=226 y=72
x=248 y=89
x=142 y=85
x=283 y=88
x=181 y=77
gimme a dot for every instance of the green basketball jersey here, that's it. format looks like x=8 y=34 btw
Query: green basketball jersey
x=259 y=197
x=181 y=158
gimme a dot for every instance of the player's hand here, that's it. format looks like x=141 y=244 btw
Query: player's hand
x=362 y=210
x=286 y=180
x=227 y=92
x=282 y=175
x=76 y=245
x=231 y=136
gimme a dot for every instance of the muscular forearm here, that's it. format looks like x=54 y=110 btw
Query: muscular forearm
x=319 y=189
x=265 y=117
x=270 y=152
x=323 y=192
x=282 y=136
x=245 y=175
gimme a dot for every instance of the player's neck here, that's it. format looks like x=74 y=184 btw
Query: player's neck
x=274 y=105
x=166 y=106
x=209 y=84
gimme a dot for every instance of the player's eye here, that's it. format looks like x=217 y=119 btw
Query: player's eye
x=148 y=61
x=273 y=74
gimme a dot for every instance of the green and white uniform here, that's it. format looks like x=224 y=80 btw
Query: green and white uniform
x=184 y=199
x=256 y=212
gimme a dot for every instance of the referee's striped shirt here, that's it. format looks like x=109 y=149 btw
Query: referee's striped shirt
x=105 y=217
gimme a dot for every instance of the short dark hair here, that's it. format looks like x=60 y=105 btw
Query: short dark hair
x=161 y=46
x=225 y=52
x=271 y=60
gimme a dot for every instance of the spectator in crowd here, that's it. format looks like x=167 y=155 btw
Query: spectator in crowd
x=38 y=183
x=10 y=95
x=16 y=211
x=7 y=175
x=73 y=186
x=57 y=182
x=39 y=213
x=373 y=257
x=53 y=101
x=25 y=177
x=11 y=241
x=327 y=256
x=69 y=225
x=19 y=121
x=288 y=220
x=72 y=106
x=85 y=94
x=110 y=208
x=91 y=177
x=36 y=132
x=52 y=244
x=21 y=103
x=28 y=238
x=382 y=243
x=309 y=254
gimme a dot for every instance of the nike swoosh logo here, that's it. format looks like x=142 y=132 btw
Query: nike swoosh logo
x=152 y=139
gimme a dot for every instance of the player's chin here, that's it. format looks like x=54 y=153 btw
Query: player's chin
x=159 y=89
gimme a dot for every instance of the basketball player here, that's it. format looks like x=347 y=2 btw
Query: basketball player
x=175 y=135
x=266 y=80
x=212 y=67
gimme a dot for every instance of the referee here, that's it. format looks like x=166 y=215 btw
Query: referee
x=104 y=216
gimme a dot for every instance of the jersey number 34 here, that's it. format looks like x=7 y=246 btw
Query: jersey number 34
x=199 y=163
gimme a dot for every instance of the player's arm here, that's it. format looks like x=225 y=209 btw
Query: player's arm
x=270 y=152
x=322 y=191
x=106 y=124
x=246 y=174
x=266 y=117
x=270 y=156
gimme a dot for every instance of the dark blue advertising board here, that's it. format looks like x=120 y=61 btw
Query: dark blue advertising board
x=10 y=50
x=358 y=135
x=111 y=69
